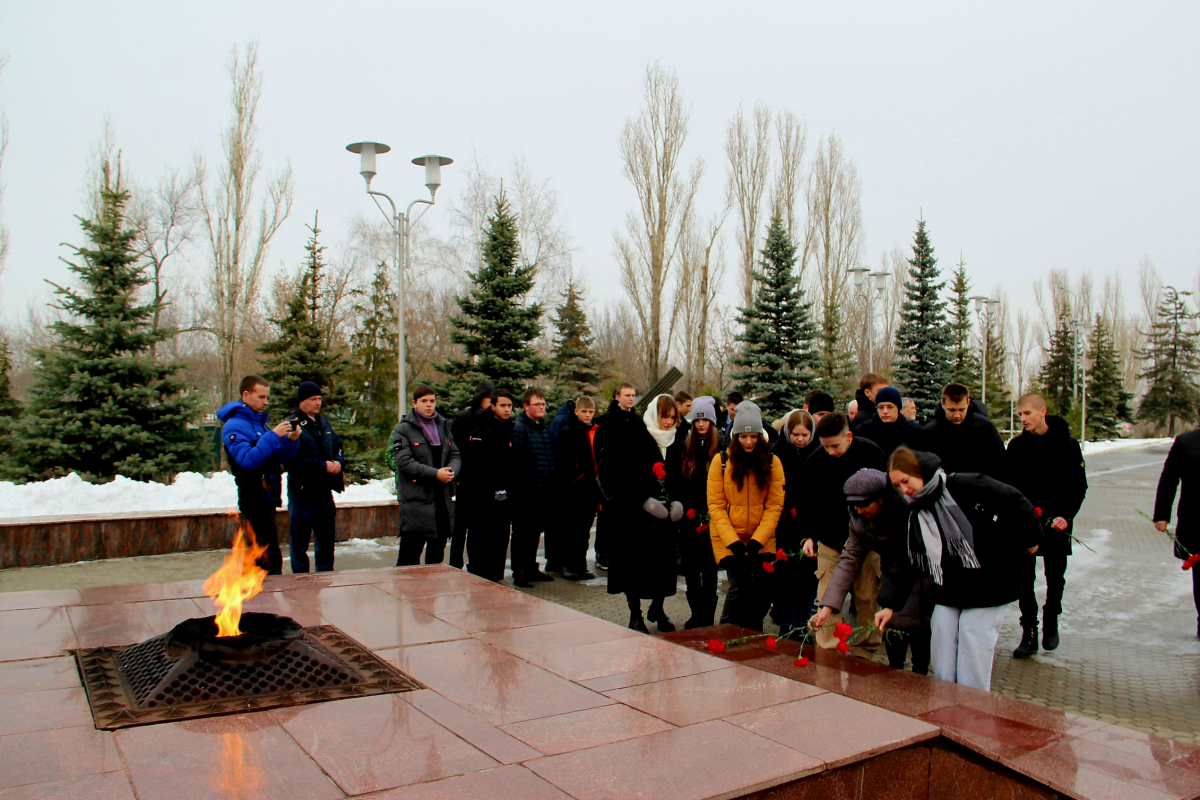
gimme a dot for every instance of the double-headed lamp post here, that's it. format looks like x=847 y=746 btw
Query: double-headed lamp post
x=879 y=281
x=402 y=225
x=985 y=311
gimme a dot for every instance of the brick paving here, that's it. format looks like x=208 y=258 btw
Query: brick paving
x=1129 y=652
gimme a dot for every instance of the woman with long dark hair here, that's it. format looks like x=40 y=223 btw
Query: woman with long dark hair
x=745 y=500
x=703 y=444
x=968 y=533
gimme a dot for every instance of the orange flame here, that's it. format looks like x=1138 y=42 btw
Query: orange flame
x=238 y=579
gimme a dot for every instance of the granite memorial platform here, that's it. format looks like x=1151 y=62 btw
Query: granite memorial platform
x=522 y=698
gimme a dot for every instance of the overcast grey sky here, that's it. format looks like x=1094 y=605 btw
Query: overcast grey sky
x=1033 y=135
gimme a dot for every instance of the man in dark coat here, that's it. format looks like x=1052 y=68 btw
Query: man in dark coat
x=487 y=490
x=1182 y=467
x=868 y=385
x=825 y=474
x=533 y=482
x=460 y=431
x=426 y=462
x=622 y=402
x=314 y=474
x=963 y=437
x=1046 y=465
x=256 y=456
x=887 y=427
x=577 y=491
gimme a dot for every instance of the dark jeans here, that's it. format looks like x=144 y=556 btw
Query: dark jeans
x=529 y=520
x=749 y=594
x=317 y=521
x=1055 y=567
x=795 y=592
x=897 y=649
x=458 y=540
x=487 y=540
x=1196 y=596
x=412 y=545
x=261 y=520
x=574 y=531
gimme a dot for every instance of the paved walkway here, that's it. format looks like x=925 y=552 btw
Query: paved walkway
x=1129 y=652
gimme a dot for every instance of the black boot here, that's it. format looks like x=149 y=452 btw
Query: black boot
x=636 y=622
x=1049 y=631
x=659 y=616
x=1029 y=643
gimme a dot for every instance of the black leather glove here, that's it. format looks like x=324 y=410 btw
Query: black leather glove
x=752 y=547
x=738 y=549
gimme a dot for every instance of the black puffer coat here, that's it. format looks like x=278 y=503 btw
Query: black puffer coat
x=309 y=480
x=573 y=459
x=890 y=435
x=973 y=446
x=695 y=547
x=824 y=484
x=1049 y=470
x=490 y=447
x=1182 y=471
x=417 y=485
x=460 y=428
x=534 y=459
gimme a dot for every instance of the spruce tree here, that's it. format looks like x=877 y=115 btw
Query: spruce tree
x=1104 y=386
x=10 y=410
x=1172 y=362
x=302 y=350
x=778 y=364
x=373 y=376
x=1057 y=376
x=100 y=405
x=964 y=363
x=998 y=393
x=577 y=368
x=496 y=329
x=837 y=371
x=923 y=339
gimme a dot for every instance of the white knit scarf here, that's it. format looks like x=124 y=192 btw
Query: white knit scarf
x=663 y=439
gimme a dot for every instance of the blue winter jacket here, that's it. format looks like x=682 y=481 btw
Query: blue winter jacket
x=256 y=454
x=562 y=419
x=533 y=454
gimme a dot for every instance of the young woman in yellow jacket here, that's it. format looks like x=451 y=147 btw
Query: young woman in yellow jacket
x=745 y=500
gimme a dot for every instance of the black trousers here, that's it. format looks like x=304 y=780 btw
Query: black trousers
x=413 y=544
x=701 y=594
x=897 y=649
x=528 y=522
x=1055 y=567
x=261 y=520
x=317 y=522
x=487 y=539
x=603 y=523
x=795 y=592
x=458 y=539
x=749 y=594
x=1196 y=596
x=574 y=531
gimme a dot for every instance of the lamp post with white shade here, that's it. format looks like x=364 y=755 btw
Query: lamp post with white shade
x=879 y=283
x=985 y=312
x=402 y=225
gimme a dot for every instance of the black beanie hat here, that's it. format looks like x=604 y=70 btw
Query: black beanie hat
x=820 y=401
x=306 y=390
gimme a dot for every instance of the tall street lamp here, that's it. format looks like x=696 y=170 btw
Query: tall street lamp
x=985 y=312
x=1084 y=327
x=402 y=225
x=879 y=283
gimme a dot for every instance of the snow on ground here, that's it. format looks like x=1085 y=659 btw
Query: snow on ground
x=73 y=495
x=1095 y=448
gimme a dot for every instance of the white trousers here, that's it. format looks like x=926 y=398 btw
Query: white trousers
x=964 y=641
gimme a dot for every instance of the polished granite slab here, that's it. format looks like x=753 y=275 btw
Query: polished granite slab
x=527 y=699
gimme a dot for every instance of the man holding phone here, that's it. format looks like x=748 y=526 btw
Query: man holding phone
x=314 y=474
x=427 y=460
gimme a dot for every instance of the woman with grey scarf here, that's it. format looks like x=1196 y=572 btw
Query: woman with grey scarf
x=967 y=533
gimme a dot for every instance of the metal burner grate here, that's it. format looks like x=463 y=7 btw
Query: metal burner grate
x=141 y=684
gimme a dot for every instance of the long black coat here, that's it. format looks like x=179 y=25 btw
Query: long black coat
x=790 y=531
x=695 y=547
x=1182 y=468
x=1048 y=469
x=417 y=486
x=824 y=483
x=973 y=446
x=890 y=435
x=573 y=460
x=642 y=548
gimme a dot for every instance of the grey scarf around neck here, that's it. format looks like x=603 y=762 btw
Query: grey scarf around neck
x=935 y=516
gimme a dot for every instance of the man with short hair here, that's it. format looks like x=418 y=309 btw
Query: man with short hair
x=314 y=474
x=256 y=456
x=487 y=490
x=868 y=385
x=825 y=474
x=577 y=491
x=887 y=428
x=962 y=435
x=618 y=413
x=1046 y=465
x=460 y=431
x=683 y=402
x=427 y=460
x=533 y=454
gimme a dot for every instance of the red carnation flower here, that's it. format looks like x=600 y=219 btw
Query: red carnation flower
x=1038 y=510
x=772 y=643
x=843 y=631
x=842 y=647
x=802 y=661
x=780 y=555
x=1186 y=565
x=716 y=646
x=660 y=471
x=792 y=512
x=702 y=528
x=768 y=566
x=691 y=514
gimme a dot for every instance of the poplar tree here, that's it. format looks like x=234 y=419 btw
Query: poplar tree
x=923 y=339
x=779 y=362
x=101 y=405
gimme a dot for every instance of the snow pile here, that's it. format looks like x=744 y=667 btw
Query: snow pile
x=1095 y=448
x=190 y=490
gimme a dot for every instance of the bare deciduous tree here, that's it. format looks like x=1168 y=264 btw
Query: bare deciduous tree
x=748 y=149
x=652 y=152
x=166 y=218
x=701 y=268
x=238 y=233
x=4 y=235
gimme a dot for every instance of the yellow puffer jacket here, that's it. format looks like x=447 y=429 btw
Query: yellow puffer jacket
x=741 y=515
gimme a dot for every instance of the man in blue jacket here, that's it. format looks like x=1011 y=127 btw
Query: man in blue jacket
x=256 y=455
x=533 y=456
x=313 y=476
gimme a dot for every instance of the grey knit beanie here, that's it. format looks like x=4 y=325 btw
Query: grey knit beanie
x=748 y=419
x=704 y=408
